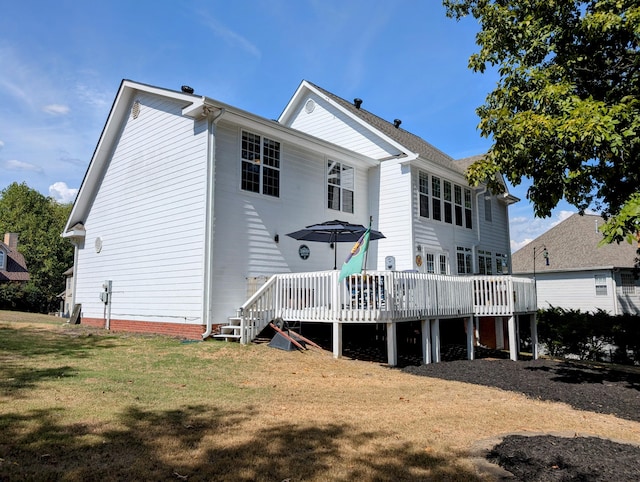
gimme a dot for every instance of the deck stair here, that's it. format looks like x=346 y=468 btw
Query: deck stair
x=231 y=331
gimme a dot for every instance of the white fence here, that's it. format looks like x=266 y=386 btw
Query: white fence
x=383 y=296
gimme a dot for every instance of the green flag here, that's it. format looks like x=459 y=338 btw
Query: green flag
x=355 y=260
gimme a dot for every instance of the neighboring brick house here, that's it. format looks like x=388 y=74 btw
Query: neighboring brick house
x=12 y=264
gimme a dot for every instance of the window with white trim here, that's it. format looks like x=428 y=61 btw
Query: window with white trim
x=485 y=262
x=435 y=198
x=464 y=260
x=260 y=165
x=488 y=215
x=467 y=208
x=443 y=263
x=457 y=190
x=430 y=263
x=436 y=262
x=3 y=257
x=423 y=194
x=340 y=186
x=443 y=200
x=627 y=284
x=601 y=285
x=502 y=264
x=448 y=208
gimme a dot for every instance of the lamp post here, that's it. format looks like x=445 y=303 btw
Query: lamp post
x=545 y=255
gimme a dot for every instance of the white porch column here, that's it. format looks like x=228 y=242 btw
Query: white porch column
x=435 y=340
x=513 y=342
x=426 y=341
x=534 y=336
x=392 y=345
x=470 y=338
x=337 y=339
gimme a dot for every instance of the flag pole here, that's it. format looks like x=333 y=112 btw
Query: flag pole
x=366 y=253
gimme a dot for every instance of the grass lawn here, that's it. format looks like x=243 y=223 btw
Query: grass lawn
x=86 y=404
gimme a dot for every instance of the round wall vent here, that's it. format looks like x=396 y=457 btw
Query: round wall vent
x=309 y=106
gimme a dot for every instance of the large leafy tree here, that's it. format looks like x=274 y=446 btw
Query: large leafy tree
x=565 y=113
x=39 y=221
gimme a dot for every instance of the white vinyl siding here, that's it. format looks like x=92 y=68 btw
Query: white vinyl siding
x=327 y=122
x=575 y=290
x=149 y=215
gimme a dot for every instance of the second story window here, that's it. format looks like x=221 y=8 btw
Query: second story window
x=340 y=186
x=448 y=213
x=435 y=194
x=442 y=200
x=467 y=209
x=423 y=193
x=260 y=165
x=2 y=259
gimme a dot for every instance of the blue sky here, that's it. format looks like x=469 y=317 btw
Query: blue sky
x=61 y=64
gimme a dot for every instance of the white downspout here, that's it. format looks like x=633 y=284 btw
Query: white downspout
x=208 y=254
x=476 y=266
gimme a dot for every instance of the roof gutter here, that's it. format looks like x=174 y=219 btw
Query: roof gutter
x=212 y=121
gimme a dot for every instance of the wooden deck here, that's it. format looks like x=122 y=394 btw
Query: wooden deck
x=383 y=297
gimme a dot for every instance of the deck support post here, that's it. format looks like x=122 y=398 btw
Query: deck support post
x=435 y=340
x=534 y=336
x=426 y=341
x=513 y=341
x=337 y=339
x=470 y=338
x=392 y=345
x=499 y=324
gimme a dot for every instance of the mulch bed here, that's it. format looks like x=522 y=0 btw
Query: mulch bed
x=585 y=387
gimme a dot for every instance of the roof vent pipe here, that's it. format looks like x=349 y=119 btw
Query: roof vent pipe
x=186 y=89
x=357 y=102
x=397 y=122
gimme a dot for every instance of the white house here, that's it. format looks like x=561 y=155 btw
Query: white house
x=573 y=271
x=184 y=210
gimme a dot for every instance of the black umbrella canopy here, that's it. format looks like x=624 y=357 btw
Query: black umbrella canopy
x=334 y=232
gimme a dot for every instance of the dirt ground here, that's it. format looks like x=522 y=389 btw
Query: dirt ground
x=585 y=387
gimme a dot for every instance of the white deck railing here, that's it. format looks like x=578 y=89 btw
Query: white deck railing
x=382 y=296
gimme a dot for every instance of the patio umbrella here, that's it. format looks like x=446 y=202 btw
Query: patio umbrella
x=334 y=232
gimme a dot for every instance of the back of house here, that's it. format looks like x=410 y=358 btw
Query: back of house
x=186 y=203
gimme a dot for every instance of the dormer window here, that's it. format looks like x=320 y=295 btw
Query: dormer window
x=3 y=259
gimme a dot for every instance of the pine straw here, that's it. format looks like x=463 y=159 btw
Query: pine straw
x=78 y=404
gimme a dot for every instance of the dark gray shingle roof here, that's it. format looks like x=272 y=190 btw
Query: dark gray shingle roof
x=15 y=267
x=573 y=245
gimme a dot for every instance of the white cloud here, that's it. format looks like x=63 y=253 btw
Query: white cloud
x=15 y=165
x=62 y=193
x=229 y=36
x=516 y=245
x=56 y=109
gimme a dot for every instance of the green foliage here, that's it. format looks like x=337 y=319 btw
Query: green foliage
x=39 y=221
x=587 y=335
x=566 y=111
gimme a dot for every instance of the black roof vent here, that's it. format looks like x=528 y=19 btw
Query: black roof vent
x=397 y=122
x=186 y=89
x=357 y=102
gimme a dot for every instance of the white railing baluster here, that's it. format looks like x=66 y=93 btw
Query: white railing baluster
x=382 y=296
